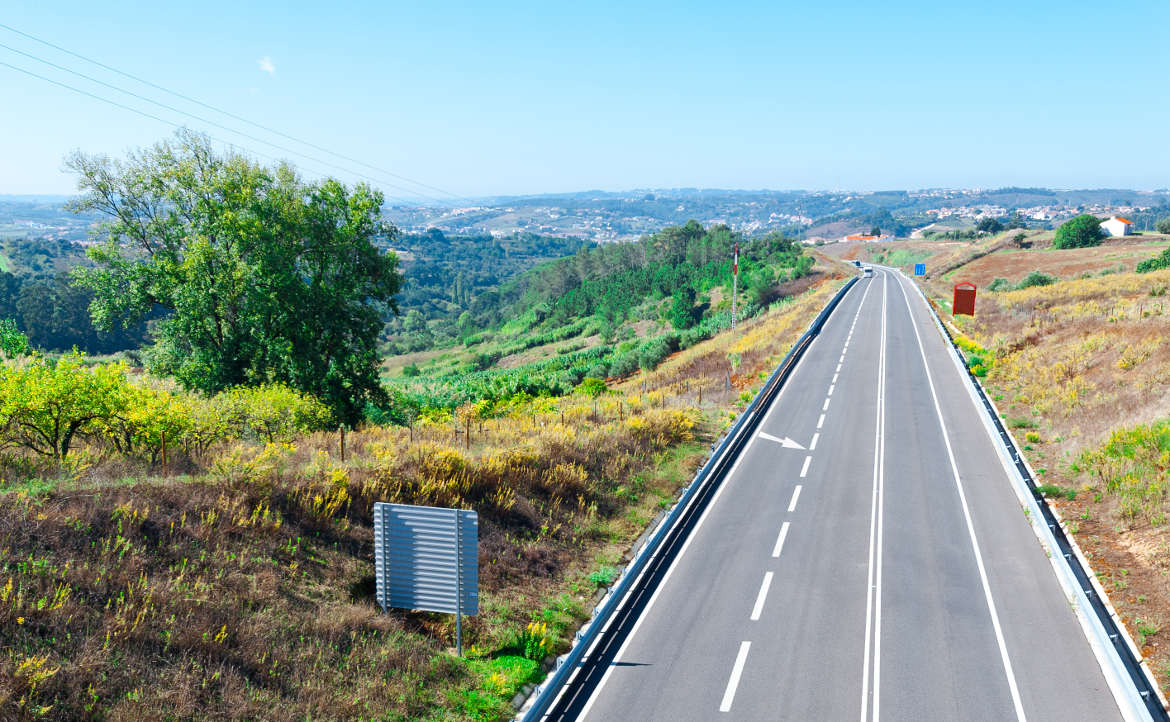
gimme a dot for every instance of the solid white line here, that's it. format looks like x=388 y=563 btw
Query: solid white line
x=831 y=387
x=826 y=406
x=795 y=496
x=873 y=581
x=733 y=682
x=804 y=469
x=780 y=540
x=813 y=445
x=763 y=595
x=1003 y=653
x=821 y=421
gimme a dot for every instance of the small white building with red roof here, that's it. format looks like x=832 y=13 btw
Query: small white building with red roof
x=1117 y=226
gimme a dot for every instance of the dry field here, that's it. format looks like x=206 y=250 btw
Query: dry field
x=1081 y=371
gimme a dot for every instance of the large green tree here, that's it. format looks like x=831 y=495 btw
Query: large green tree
x=1078 y=232
x=264 y=276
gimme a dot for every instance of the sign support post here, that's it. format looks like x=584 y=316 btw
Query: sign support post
x=458 y=583
x=734 y=285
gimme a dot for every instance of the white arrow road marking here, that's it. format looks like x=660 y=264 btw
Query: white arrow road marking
x=786 y=442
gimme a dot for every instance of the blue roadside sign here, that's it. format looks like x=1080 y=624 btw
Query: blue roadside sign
x=919 y=269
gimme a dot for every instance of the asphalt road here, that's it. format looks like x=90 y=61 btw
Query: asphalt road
x=886 y=569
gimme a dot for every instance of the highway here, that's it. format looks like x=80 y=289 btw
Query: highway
x=865 y=557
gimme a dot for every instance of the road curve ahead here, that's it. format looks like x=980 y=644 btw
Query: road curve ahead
x=884 y=569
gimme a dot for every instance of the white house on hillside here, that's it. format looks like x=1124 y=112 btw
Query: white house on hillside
x=1117 y=226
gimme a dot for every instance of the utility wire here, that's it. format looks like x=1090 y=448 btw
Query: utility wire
x=213 y=123
x=230 y=114
x=151 y=116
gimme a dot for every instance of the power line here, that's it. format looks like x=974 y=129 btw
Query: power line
x=231 y=115
x=150 y=115
x=215 y=124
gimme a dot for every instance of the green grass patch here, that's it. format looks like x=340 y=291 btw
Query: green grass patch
x=498 y=679
x=1134 y=465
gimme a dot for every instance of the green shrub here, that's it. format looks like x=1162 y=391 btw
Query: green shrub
x=603 y=577
x=623 y=364
x=1079 y=232
x=593 y=387
x=654 y=351
x=1037 y=278
x=273 y=412
x=999 y=284
x=1160 y=261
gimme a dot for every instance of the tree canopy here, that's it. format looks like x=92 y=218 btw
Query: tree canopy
x=1079 y=232
x=263 y=277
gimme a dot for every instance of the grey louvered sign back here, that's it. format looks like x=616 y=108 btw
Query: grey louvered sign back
x=426 y=557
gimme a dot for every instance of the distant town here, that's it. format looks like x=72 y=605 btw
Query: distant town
x=606 y=217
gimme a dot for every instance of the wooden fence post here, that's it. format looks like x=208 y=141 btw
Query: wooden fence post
x=341 y=429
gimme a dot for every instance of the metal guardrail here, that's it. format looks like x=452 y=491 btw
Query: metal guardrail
x=694 y=497
x=1118 y=638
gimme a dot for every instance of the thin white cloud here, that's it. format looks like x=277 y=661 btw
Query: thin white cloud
x=266 y=65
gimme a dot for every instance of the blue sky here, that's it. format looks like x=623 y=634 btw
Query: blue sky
x=495 y=98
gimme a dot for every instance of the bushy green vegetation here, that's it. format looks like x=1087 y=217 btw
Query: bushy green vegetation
x=1162 y=260
x=601 y=288
x=276 y=280
x=1079 y=232
x=1036 y=278
x=444 y=273
x=48 y=405
x=37 y=293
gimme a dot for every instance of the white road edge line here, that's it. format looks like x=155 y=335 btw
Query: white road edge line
x=733 y=681
x=804 y=469
x=795 y=496
x=780 y=540
x=761 y=597
x=873 y=590
x=1003 y=653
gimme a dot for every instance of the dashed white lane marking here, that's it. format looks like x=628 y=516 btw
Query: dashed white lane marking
x=831 y=387
x=826 y=406
x=804 y=469
x=821 y=421
x=733 y=681
x=838 y=368
x=780 y=540
x=761 y=597
x=813 y=445
x=842 y=359
x=835 y=376
x=795 y=496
